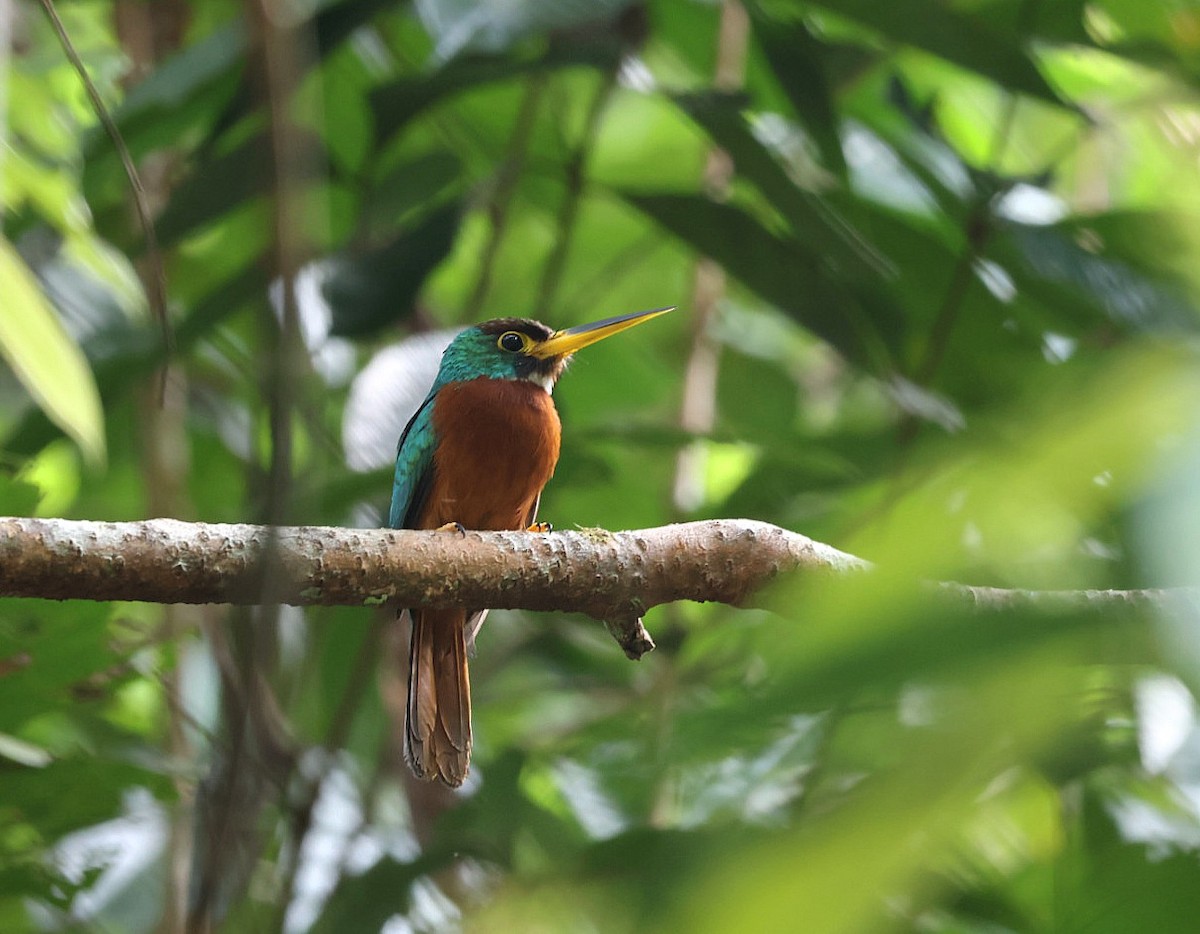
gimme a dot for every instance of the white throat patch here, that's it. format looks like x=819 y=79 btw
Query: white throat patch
x=545 y=382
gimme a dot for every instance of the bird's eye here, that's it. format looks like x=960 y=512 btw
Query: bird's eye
x=511 y=341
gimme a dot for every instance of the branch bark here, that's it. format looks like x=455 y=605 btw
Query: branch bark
x=612 y=576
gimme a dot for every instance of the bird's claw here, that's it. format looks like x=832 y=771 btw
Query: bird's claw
x=453 y=527
x=540 y=527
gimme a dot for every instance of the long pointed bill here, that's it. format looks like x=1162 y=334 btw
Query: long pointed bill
x=561 y=343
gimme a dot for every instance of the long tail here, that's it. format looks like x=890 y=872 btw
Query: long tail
x=437 y=730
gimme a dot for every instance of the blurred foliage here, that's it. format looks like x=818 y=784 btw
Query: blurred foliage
x=958 y=335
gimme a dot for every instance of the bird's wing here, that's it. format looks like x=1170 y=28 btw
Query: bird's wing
x=414 y=467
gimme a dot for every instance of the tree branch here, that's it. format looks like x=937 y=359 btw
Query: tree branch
x=612 y=576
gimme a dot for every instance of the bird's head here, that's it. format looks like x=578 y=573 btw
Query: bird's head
x=521 y=348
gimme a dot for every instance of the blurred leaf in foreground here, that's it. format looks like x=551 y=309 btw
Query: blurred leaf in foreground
x=42 y=355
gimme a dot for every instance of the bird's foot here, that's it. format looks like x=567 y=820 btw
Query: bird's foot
x=453 y=527
x=540 y=527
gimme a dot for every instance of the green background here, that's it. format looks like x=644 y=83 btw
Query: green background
x=957 y=335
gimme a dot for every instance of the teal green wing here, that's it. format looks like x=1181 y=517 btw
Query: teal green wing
x=414 y=467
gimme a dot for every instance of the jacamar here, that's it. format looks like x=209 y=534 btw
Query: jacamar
x=476 y=455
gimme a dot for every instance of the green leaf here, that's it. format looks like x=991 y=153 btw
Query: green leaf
x=337 y=22
x=373 y=290
x=225 y=181
x=784 y=271
x=796 y=58
x=1083 y=267
x=70 y=794
x=970 y=41
x=179 y=80
x=46 y=360
x=397 y=103
x=126 y=356
x=1116 y=885
x=411 y=186
x=49 y=648
x=812 y=219
x=365 y=902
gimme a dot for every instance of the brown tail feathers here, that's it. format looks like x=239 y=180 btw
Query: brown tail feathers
x=437 y=730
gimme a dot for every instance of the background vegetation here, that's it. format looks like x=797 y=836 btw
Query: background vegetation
x=947 y=321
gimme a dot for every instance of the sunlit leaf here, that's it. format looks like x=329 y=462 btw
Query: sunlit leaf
x=783 y=271
x=43 y=356
x=967 y=39
x=797 y=59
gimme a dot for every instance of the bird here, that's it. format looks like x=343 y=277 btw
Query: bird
x=476 y=455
